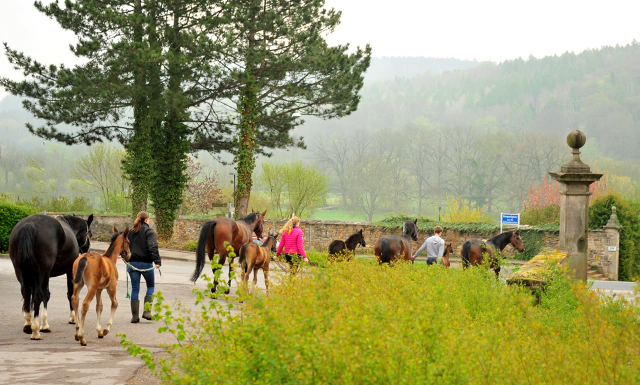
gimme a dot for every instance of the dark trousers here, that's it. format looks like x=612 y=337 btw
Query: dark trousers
x=293 y=260
x=432 y=261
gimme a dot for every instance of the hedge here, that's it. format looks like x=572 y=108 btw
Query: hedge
x=10 y=215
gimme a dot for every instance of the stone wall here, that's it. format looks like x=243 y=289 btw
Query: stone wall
x=318 y=235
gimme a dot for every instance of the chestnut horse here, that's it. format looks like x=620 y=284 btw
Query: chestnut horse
x=473 y=250
x=254 y=258
x=98 y=272
x=41 y=247
x=218 y=231
x=448 y=249
x=391 y=247
x=337 y=247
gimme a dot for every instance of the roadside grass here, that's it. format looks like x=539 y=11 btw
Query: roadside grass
x=357 y=322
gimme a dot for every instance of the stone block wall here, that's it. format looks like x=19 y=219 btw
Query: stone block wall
x=318 y=235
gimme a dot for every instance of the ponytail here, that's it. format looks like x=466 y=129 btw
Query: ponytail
x=140 y=218
x=288 y=227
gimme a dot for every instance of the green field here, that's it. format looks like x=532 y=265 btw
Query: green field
x=343 y=215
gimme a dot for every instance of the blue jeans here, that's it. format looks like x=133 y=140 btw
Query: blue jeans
x=149 y=278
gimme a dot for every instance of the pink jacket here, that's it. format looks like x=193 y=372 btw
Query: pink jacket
x=292 y=243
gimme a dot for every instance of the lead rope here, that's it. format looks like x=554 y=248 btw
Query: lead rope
x=136 y=269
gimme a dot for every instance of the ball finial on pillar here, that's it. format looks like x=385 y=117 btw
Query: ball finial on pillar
x=576 y=139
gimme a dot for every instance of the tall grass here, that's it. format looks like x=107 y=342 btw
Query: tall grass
x=358 y=323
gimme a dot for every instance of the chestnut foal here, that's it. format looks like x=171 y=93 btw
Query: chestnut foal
x=101 y=274
x=254 y=257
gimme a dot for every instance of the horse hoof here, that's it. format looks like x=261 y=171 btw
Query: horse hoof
x=100 y=336
x=77 y=338
x=47 y=330
x=36 y=338
x=83 y=343
x=105 y=332
x=27 y=329
x=227 y=291
x=72 y=322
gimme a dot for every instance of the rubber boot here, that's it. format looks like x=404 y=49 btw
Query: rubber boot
x=135 y=311
x=147 y=314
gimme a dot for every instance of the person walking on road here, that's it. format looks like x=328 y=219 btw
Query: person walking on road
x=292 y=243
x=434 y=246
x=143 y=244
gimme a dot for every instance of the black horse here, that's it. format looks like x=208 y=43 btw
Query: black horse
x=337 y=246
x=41 y=247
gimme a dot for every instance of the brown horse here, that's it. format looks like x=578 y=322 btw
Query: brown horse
x=448 y=249
x=254 y=258
x=473 y=250
x=337 y=247
x=391 y=247
x=98 y=272
x=221 y=232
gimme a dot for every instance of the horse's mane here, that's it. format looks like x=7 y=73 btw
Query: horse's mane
x=249 y=219
x=352 y=236
x=111 y=243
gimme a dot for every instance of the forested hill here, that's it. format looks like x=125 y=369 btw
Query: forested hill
x=389 y=68
x=597 y=91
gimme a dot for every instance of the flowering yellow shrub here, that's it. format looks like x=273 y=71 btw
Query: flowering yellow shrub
x=359 y=323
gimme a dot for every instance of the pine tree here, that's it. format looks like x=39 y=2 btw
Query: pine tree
x=279 y=64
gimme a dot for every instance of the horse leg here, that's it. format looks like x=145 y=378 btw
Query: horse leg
x=39 y=295
x=45 y=328
x=111 y=290
x=99 y=312
x=255 y=276
x=26 y=308
x=231 y=270
x=85 y=308
x=266 y=278
x=72 y=314
x=221 y=259
x=75 y=302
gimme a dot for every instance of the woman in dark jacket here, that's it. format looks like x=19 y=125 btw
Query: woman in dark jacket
x=143 y=244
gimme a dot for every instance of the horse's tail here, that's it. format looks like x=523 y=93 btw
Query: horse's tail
x=243 y=256
x=465 y=253
x=205 y=233
x=29 y=267
x=82 y=264
x=385 y=251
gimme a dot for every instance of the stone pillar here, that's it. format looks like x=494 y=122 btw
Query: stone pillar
x=575 y=178
x=612 y=230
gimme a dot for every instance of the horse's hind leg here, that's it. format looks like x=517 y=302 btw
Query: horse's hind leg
x=83 y=316
x=266 y=278
x=221 y=259
x=45 y=328
x=99 y=312
x=75 y=303
x=38 y=296
x=111 y=290
x=26 y=308
x=72 y=314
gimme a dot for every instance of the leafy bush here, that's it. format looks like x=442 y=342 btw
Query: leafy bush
x=541 y=215
x=190 y=246
x=628 y=214
x=461 y=210
x=427 y=224
x=10 y=215
x=533 y=240
x=358 y=322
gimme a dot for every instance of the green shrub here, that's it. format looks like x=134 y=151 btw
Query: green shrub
x=533 y=240
x=190 y=246
x=361 y=323
x=10 y=215
x=629 y=217
x=541 y=215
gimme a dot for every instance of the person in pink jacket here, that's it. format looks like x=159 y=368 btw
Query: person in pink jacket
x=291 y=242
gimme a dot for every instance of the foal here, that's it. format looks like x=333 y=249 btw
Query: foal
x=448 y=249
x=98 y=272
x=339 y=248
x=254 y=257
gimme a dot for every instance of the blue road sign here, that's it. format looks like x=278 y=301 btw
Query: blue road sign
x=509 y=219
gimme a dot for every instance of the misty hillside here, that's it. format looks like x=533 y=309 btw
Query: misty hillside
x=597 y=91
x=389 y=68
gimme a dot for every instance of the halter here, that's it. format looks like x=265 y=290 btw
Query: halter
x=86 y=239
x=124 y=253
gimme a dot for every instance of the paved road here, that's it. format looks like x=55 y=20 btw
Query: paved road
x=59 y=359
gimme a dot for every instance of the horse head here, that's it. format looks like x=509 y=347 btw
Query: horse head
x=274 y=246
x=125 y=251
x=82 y=230
x=360 y=238
x=410 y=229
x=258 y=222
x=516 y=241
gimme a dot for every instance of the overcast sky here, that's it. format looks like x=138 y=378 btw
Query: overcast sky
x=494 y=30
